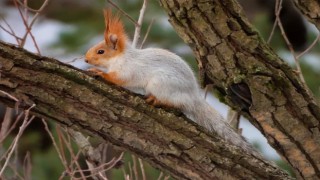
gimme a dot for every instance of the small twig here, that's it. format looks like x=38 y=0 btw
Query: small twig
x=74 y=59
x=137 y=31
x=10 y=31
x=310 y=47
x=27 y=7
x=27 y=166
x=88 y=150
x=299 y=72
x=61 y=148
x=29 y=26
x=6 y=123
x=9 y=95
x=64 y=162
x=111 y=164
x=25 y=124
x=160 y=176
x=142 y=169
x=272 y=31
x=123 y=12
x=277 y=13
x=24 y=20
x=135 y=169
x=127 y=177
x=3 y=137
x=104 y=152
x=74 y=158
x=147 y=33
x=125 y=174
x=130 y=170
x=15 y=171
x=35 y=43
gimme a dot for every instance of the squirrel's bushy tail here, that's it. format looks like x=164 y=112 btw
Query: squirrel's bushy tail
x=202 y=113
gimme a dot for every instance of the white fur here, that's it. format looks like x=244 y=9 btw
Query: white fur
x=167 y=77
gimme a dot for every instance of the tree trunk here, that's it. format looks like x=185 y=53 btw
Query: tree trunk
x=251 y=78
x=311 y=10
x=165 y=139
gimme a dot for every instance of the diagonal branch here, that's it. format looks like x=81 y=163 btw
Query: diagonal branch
x=251 y=78
x=165 y=139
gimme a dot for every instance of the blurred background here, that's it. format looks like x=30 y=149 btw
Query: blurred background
x=66 y=29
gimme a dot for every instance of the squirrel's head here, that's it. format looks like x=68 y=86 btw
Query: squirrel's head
x=114 y=41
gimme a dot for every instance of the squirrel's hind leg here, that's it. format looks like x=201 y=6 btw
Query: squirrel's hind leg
x=152 y=100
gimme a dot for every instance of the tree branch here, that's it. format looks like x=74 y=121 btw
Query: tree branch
x=165 y=139
x=311 y=10
x=251 y=78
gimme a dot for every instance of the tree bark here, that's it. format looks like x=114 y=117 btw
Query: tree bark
x=251 y=78
x=165 y=139
x=311 y=10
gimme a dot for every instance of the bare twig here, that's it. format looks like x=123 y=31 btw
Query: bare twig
x=127 y=177
x=104 y=152
x=27 y=166
x=102 y=168
x=310 y=47
x=125 y=174
x=147 y=33
x=25 y=124
x=135 y=168
x=2 y=137
x=142 y=169
x=74 y=158
x=277 y=12
x=6 y=122
x=137 y=31
x=64 y=162
x=29 y=26
x=10 y=31
x=299 y=72
x=160 y=176
x=123 y=12
x=9 y=95
x=88 y=150
x=15 y=171
x=130 y=170
x=27 y=7
x=272 y=31
x=74 y=59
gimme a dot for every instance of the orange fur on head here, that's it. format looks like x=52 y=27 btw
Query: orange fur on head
x=113 y=44
x=114 y=34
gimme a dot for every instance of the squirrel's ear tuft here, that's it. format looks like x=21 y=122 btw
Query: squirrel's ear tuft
x=114 y=40
x=114 y=34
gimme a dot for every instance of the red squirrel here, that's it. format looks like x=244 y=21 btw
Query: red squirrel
x=162 y=76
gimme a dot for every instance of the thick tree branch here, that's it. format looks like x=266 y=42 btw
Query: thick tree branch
x=251 y=78
x=165 y=139
x=311 y=10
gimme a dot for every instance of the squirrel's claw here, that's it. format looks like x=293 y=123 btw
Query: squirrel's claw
x=152 y=100
x=95 y=71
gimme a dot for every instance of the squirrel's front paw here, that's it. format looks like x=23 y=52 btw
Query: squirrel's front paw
x=95 y=71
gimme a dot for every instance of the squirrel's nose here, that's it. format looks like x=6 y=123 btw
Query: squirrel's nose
x=86 y=60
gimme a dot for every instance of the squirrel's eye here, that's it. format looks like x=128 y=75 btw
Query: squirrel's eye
x=100 y=51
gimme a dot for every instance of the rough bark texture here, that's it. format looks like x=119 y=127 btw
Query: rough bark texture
x=311 y=10
x=165 y=139
x=251 y=78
